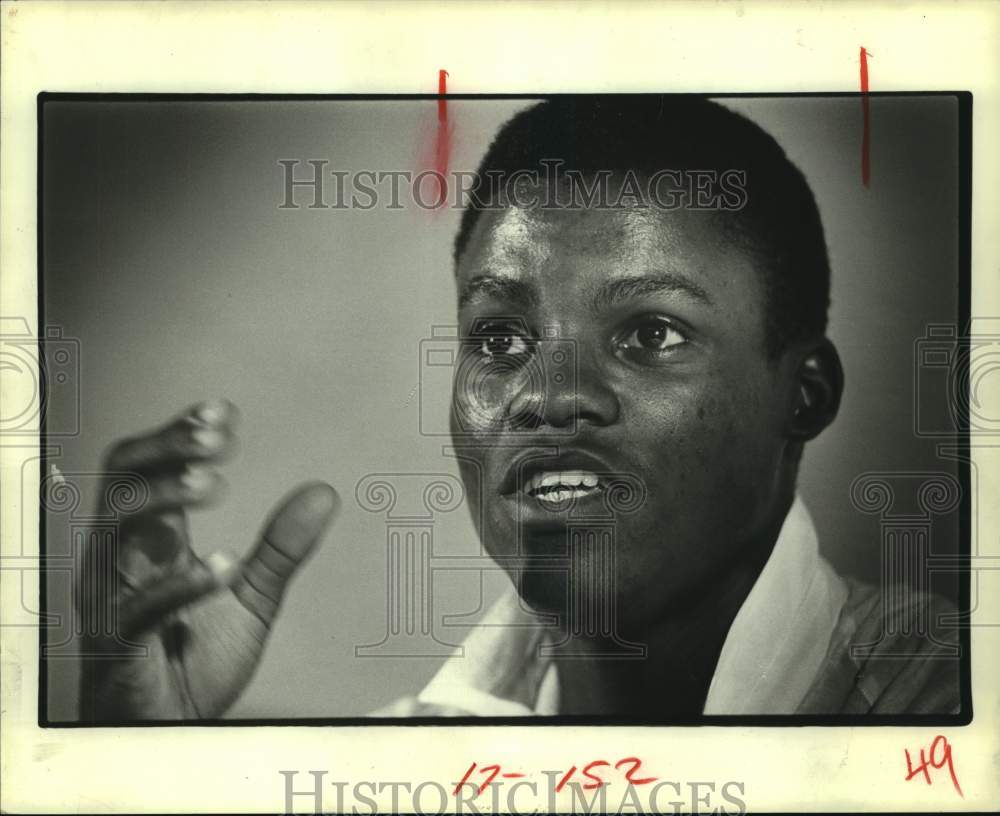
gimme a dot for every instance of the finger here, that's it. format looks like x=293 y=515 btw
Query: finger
x=290 y=535
x=142 y=549
x=153 y=545
x=204 y=432
x=153 y=533
x=190 y=487
x=147 y=607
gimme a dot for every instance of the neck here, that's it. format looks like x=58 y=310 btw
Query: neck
x=682 y=650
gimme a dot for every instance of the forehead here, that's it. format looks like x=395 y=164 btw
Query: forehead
x=566 y=251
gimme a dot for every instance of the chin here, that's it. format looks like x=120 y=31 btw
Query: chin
x=543 y=591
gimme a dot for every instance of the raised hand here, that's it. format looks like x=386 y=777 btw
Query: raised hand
x=187 y=634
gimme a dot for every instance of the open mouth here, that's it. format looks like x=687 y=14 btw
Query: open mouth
x=562 y=485
x=555 y=477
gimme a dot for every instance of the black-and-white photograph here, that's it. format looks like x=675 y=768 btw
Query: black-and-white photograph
x=616 y=408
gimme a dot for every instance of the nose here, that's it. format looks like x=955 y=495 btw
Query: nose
x=564 y=389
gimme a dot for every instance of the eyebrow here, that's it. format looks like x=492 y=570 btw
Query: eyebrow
x=620 y=290
x=611 y=293
x=510 y=290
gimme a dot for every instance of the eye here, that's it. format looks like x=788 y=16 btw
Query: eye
x=652 y=334
x=503 y=344
x=496 y=340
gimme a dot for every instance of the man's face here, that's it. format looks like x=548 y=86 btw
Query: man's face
x=672 y=388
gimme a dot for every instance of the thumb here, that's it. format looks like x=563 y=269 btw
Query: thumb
x=289 y=536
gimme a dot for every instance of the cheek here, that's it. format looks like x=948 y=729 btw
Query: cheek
x=491 y=525
x=484 y=394
x=680 y=423
x=707 y=462
x=704 y=444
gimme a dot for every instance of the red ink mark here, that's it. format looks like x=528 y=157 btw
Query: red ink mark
x=465 y=778
x=442 y=91
x=635 y=762
x=562 y=782
x=865 y=133
x=443 y=144
x=598 y=782
x=935 y=761
x=492 y=772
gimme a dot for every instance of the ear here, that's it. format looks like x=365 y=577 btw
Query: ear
x=819 y=384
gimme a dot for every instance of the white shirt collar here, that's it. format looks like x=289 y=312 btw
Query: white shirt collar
x=769 y=660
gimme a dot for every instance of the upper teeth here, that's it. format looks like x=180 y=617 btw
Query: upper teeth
x=561 y=478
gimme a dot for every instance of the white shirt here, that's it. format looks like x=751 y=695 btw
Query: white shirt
x=772 y=654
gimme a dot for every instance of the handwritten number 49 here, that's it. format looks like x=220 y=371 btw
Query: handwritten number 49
x=938 y=757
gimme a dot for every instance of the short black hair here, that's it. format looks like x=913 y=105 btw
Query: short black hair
x=647 y=133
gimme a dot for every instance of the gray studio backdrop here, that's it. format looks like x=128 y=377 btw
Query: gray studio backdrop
x=168 y=260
